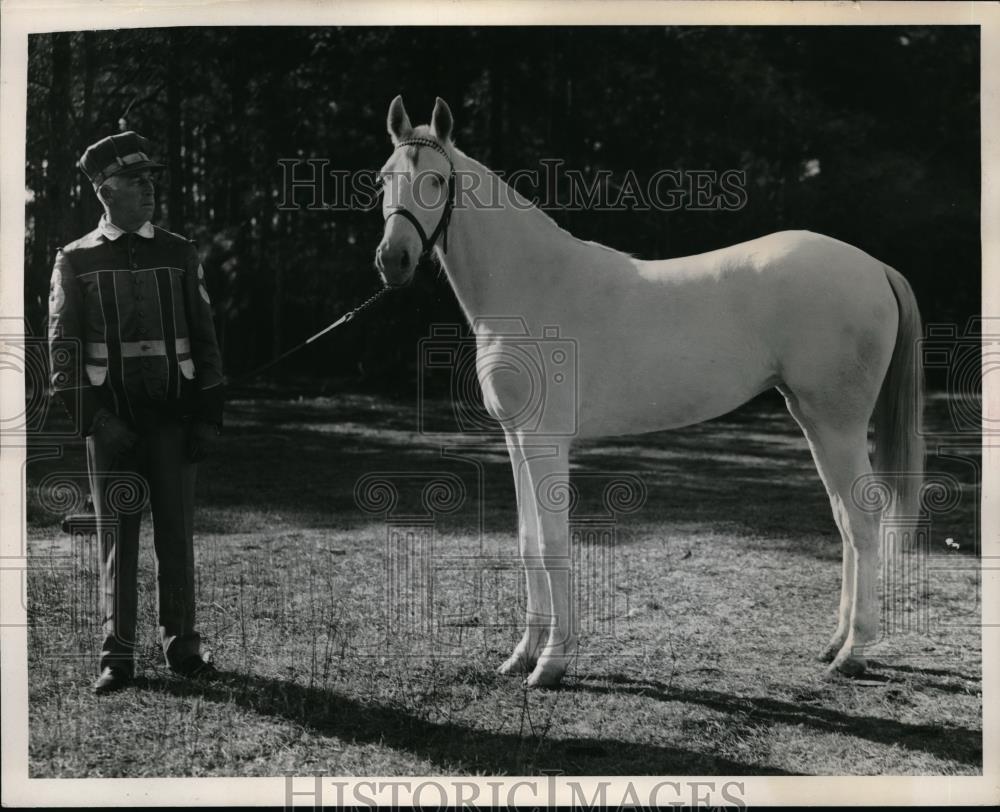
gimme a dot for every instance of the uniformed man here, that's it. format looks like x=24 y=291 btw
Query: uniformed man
x=130 y=298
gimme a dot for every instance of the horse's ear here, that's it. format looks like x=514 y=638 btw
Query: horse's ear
x=441 y=121
x=398 y=122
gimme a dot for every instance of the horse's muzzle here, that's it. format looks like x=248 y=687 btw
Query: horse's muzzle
x=395 y=265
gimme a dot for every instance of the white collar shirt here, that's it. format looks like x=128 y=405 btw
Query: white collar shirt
x=113 y=232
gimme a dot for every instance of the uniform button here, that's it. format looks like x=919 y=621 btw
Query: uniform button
x=142 y=329
x=141 y=314
x=145 y=347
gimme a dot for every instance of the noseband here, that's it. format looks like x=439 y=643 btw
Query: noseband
x=442 y=226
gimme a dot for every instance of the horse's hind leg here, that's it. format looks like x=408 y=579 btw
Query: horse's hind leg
x=840 y=449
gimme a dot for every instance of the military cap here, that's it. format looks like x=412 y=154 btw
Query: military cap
x=115 y=154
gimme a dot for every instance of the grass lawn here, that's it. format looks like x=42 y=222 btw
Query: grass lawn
x=701 y=610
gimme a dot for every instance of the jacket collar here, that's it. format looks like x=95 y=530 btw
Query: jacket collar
x=112 y=232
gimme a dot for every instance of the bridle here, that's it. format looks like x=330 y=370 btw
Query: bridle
x=442 y=226
x=428 y=243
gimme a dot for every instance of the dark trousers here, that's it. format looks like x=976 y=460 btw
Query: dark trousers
x=158 y=460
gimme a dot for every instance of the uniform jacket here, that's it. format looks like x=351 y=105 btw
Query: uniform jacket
x=130 y=326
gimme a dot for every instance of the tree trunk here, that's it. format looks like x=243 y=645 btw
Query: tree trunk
x=59 y=175
x=279 y=297
x=175 y=192
x=88 y=209
x=498 y=92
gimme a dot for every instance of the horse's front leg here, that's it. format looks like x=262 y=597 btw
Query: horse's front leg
x=527 y=651
x=548 y=473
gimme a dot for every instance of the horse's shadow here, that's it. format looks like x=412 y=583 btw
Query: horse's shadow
x=922 y=671
x=454 y=747
x=936 y=679
x=945 y=742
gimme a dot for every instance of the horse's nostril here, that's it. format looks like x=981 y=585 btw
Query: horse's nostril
x=404 y=259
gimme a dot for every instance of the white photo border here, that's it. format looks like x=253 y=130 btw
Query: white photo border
x=21 y=18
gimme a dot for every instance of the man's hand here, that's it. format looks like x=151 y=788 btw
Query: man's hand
x=201 y=438
x=113 y=434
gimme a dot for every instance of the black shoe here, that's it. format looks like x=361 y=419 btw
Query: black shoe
x=194 y=667
x=112 y=679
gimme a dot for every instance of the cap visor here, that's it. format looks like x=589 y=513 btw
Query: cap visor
x=151 y=166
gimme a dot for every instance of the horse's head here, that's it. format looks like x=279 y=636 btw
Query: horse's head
x=419 y=186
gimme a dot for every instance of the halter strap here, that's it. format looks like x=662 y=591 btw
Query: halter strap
x=442 y=226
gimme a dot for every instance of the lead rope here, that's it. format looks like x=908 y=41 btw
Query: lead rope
x=347 y=317
x=428 y=245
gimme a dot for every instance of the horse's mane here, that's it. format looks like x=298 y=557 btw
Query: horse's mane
x=424 y=131
x=543 y=216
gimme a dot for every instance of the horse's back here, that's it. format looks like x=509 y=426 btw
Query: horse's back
x=707 y=332
x=789 y=255
x=785 y=278
x=821 y=310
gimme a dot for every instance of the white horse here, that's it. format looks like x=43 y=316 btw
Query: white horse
x=661 y=344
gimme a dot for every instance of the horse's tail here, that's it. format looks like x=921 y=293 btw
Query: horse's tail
x=899 y=444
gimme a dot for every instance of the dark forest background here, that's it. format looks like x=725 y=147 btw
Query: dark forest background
x=888 y=116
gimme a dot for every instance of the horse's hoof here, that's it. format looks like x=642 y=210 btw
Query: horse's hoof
x=515 y=664
x=829 y=654
x=545 y=676
x=538 y=681
x=847 y=666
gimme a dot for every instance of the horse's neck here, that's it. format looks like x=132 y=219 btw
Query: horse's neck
x=505 y=258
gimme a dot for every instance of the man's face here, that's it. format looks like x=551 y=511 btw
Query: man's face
x=130 y=199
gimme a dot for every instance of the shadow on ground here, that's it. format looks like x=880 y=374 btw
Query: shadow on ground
x=950 y=743
x=282 y=461
x=448 y=745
